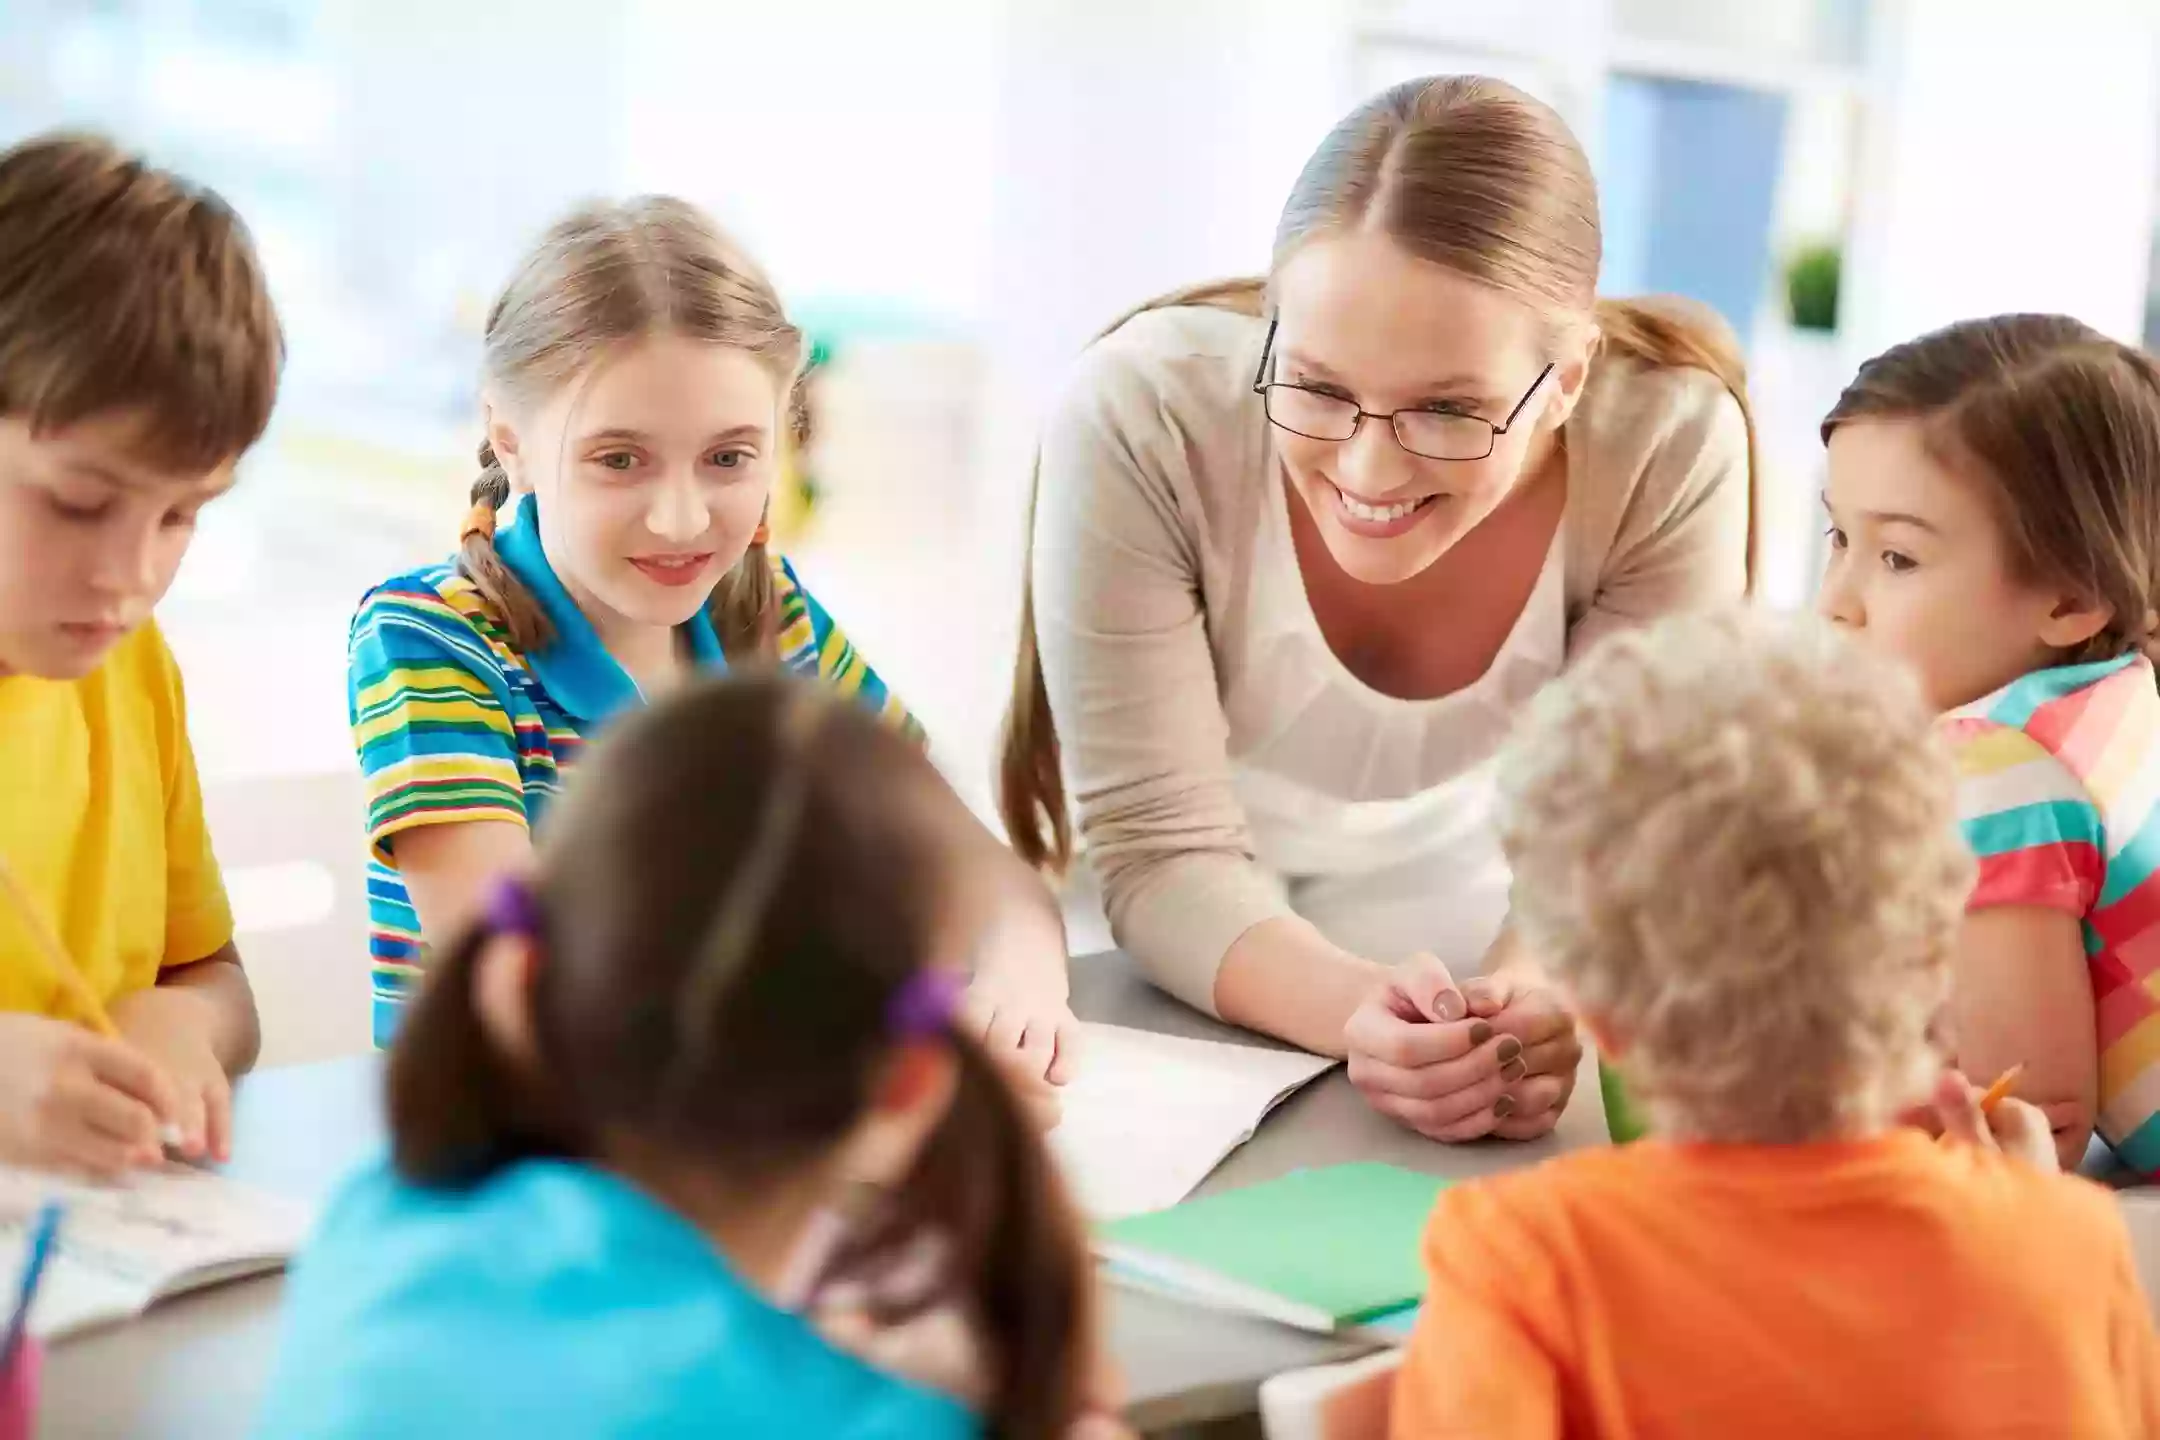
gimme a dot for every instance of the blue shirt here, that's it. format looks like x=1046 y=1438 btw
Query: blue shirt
x=453 y=723
x=555 y=1299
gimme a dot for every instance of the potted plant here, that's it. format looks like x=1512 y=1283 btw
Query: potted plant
x=1811 y=287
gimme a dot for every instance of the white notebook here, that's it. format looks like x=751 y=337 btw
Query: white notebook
x=1149 y=1116
x=123 y=1247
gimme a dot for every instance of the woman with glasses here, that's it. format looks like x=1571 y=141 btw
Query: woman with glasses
x=1303 y=548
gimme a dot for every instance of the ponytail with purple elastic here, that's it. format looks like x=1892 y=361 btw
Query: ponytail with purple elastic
x=755 y=903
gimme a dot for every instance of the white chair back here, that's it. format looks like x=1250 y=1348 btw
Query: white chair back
x=1350 y=1401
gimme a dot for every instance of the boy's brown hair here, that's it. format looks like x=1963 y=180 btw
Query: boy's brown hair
x=126 y=290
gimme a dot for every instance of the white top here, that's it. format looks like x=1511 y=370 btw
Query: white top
x=1376 y=811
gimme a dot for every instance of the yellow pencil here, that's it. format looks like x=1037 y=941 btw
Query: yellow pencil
x=2000 y=1090
x=88 y=1007
x=80 y=995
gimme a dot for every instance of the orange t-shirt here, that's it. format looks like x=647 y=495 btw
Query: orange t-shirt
x=1881 y=1287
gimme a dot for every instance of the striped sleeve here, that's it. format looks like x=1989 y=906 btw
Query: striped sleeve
x=2030 y=822
x=436 y=742
x=811 y=645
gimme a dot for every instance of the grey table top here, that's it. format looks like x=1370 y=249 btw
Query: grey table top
x=194 y=1368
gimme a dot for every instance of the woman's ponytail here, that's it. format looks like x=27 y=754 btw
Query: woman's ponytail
x=1030 y=786
x=1670 y=333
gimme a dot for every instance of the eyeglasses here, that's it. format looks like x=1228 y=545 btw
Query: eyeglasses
x=1433 y=434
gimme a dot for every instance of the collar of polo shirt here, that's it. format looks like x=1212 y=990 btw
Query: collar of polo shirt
x=579 y=674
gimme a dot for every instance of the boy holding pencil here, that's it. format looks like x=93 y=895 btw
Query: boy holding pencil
x=139 y=358
x=1734 y=841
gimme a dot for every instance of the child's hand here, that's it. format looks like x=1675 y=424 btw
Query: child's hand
x=173 y=1028
x=1031 y=1024
x=936 y=1348
x=1030 y=1033
x=2016 y=1128
x=1104 y=1402
x=72 y=1100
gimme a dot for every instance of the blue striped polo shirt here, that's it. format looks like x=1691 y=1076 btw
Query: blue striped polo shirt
x=453 y=723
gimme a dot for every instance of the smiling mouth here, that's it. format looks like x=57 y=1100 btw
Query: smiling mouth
x=1381 y=514
x=672 y=569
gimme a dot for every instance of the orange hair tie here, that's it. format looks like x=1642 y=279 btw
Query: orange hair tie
x=480 y=520
x=762 y=535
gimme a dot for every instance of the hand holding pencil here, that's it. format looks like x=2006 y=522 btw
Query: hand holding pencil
x=75 y=1097
x=1995 y=1119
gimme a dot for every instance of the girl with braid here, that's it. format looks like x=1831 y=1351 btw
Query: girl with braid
x=637 y=375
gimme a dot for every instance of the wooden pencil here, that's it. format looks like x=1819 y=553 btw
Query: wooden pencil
x=2000 y=1090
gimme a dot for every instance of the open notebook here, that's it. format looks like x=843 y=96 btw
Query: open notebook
x=1150 y=1115
x=124 y=1247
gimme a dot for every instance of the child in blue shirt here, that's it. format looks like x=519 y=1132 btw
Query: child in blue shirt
x=700 y=1070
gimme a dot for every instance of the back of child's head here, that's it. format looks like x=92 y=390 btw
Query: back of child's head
x=127 y=291
x=2062 y=425
x=734 y=906
x=603 y=278
x=1734 y=840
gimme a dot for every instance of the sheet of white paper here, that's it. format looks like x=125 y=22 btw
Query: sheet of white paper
x=1151 y=1115
x=123 y=1246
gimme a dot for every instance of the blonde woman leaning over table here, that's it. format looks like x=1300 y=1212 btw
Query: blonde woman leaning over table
x=1302 y=550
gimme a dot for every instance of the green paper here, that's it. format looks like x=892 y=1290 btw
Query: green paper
x=1342 y=1240
x=1622 y=1122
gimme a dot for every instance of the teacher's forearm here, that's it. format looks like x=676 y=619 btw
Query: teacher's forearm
x=1286 y=979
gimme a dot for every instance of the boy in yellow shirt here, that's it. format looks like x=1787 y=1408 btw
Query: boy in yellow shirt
x=139 y=357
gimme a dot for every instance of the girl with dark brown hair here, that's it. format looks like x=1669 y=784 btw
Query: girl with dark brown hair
x=1994 y=499
x=700 y=1069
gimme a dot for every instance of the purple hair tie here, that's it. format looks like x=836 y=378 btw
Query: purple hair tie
x=512 y=909
x=925 y=1004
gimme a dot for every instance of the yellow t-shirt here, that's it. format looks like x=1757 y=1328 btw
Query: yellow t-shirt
x=101 y=819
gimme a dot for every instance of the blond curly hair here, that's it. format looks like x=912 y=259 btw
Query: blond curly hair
x=1734 y=839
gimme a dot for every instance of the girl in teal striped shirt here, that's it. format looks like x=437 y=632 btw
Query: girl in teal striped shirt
x=638 y=370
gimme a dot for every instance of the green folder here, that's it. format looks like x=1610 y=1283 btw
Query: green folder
x=1623 y=1122
x=1322 y=1249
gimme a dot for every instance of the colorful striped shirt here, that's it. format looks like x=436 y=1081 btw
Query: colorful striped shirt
x=2059 y=795
x=453 y=723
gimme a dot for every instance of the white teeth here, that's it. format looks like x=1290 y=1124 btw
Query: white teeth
x=1377 y=513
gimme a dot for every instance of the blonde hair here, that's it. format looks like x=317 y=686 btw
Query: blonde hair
x=2062 y=425
x=1734 y=839
x=1464 y=171
x=608 y=275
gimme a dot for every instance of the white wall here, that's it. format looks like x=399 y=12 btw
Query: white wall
x=848 y=143
x=1144 y=146
x=2009 y=165
x=1137 y=147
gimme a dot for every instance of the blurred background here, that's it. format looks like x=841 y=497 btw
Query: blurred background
x=954 y=195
